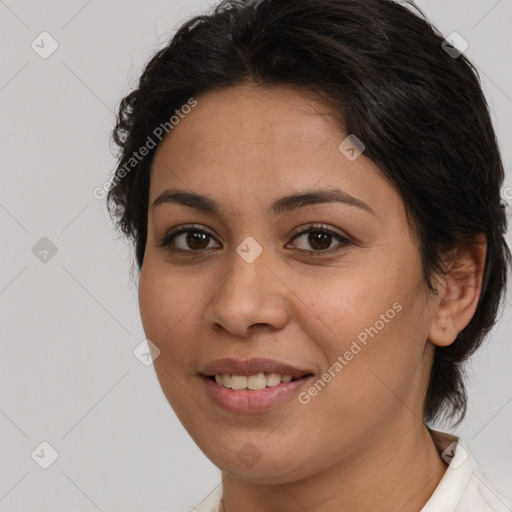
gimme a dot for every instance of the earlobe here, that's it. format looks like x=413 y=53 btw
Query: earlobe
x=459 y=292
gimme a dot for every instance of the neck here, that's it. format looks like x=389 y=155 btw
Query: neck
x=396 y=471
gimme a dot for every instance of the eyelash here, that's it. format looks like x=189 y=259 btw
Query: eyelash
x=165 y=242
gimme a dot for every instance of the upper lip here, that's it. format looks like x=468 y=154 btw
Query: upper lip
x=251 y=367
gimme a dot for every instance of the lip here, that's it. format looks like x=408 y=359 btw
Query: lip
x=249 y=401
x=251 y=367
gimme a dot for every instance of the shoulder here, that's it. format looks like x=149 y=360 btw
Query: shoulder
x=481 y=496
x=464 y=487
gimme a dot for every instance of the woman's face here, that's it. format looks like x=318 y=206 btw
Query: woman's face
x=346 y=304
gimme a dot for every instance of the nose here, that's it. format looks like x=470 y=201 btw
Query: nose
x=249 y=296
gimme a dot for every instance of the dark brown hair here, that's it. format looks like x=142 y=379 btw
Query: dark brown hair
x=387 y=77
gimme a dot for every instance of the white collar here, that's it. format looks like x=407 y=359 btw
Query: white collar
x=451 y=488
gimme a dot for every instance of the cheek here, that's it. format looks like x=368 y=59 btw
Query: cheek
x=342 y=308
x=171 y=304
x=366 y=322
x=162 y=303
x=150 y=303
x=165 y=315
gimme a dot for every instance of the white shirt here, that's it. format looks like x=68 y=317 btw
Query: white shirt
x=463 y=488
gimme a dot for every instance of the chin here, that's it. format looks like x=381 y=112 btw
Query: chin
x=263 y=467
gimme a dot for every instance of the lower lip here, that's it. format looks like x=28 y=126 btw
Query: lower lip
x=247 y=401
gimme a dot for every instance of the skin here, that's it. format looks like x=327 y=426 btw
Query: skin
x=360 y=443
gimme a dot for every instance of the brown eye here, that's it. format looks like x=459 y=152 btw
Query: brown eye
x=319 y=239
x=196 y=239
x=187 y=239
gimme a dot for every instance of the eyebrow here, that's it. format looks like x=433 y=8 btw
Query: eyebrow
x=281 y=206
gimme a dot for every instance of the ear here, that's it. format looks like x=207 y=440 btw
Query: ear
x=459 y=292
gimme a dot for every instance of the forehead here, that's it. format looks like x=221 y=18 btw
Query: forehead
x=273 y=118
x=254 y=143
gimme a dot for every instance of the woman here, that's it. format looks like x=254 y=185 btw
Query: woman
x=313 y=194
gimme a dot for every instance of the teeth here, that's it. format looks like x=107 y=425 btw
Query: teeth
x=238 y=382
x=273 y=379
x=253 y=382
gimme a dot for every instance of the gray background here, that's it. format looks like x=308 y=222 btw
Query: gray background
x=70 y=320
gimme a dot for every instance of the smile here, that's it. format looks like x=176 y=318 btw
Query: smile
x=252 y=382
x=250 y=401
